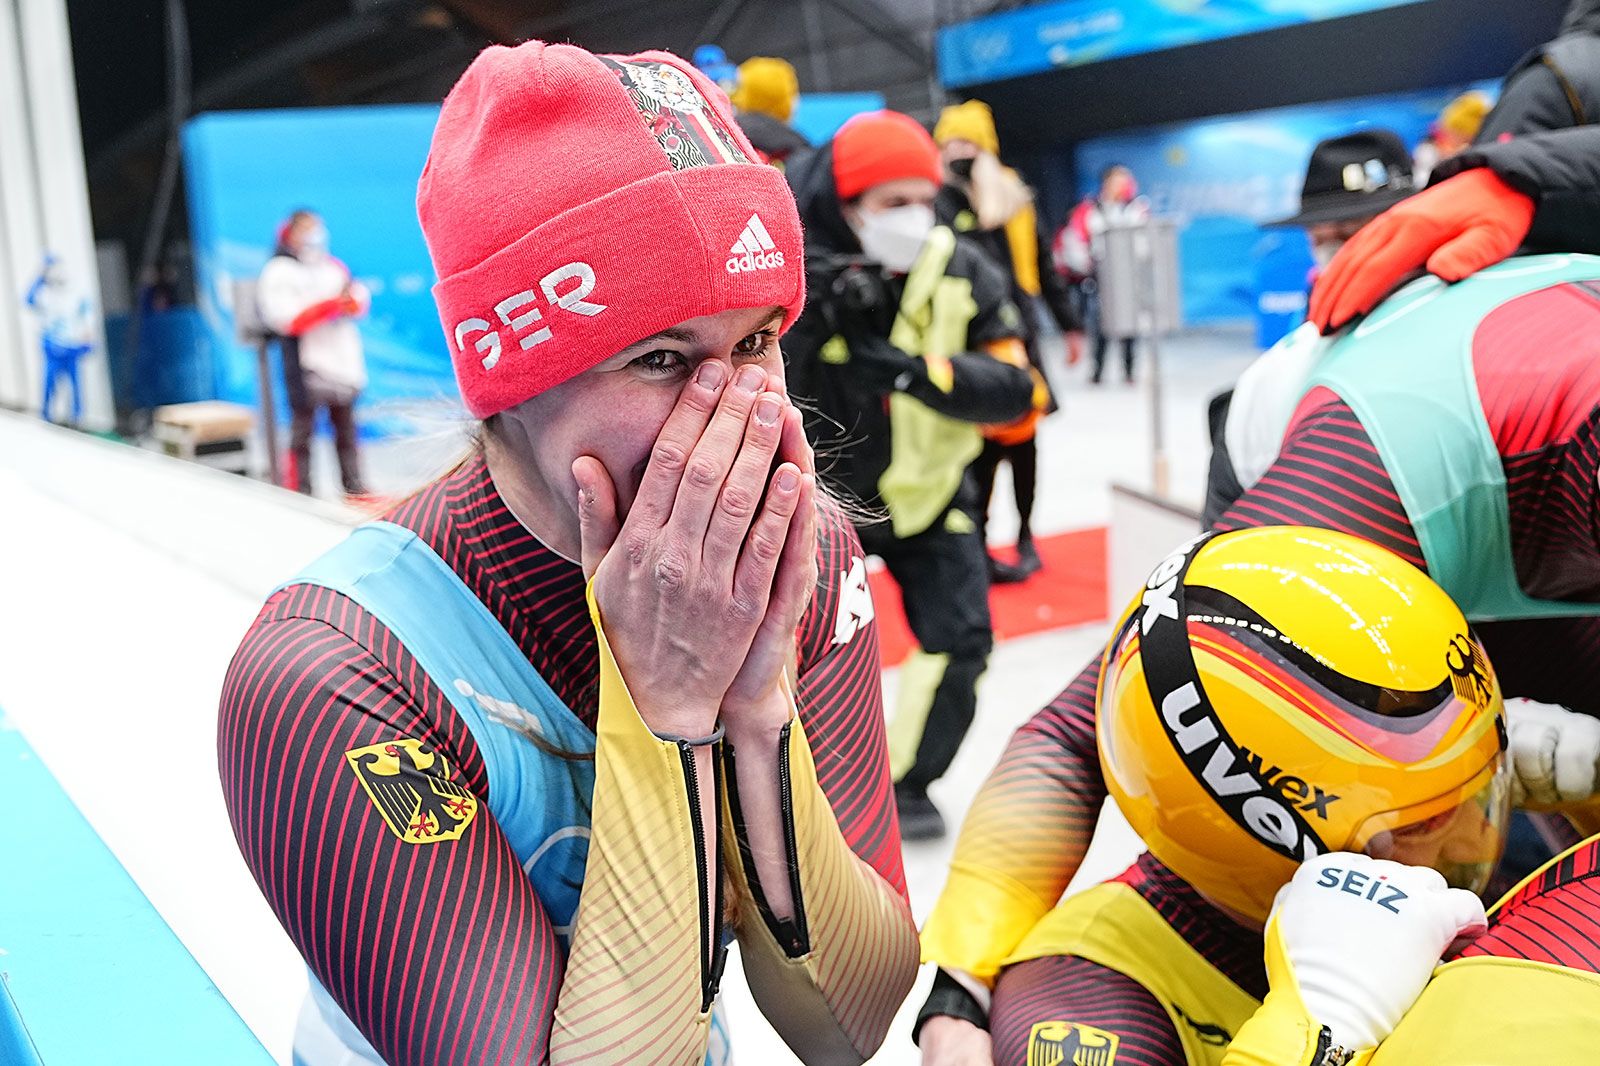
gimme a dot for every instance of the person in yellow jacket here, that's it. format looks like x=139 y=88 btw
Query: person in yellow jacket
x=1271 y=696
x=986 y=201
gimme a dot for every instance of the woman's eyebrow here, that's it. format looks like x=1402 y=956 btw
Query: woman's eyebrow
x=689 y=336
x=671 y=333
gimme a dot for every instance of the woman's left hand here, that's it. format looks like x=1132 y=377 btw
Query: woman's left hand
x=756 y=702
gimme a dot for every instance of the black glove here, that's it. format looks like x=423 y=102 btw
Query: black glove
x=879 y=366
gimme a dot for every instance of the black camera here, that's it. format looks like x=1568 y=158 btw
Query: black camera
x=855 y=292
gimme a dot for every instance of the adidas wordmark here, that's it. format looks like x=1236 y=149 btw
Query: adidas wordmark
x=754 y=249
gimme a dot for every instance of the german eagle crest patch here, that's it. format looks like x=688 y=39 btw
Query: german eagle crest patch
x=409 y=783
x=1071 y=1044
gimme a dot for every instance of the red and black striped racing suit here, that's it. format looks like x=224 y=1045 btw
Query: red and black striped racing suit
x=443 y=954
x=1538 y=377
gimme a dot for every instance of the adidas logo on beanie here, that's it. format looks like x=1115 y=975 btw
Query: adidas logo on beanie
x=575 y=203
x=754 y=249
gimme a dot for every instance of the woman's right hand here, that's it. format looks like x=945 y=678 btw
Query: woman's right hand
x=680 y=610
x=947 y=1041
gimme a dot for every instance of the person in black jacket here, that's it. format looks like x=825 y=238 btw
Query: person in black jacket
x=908 y=342
x=1552 y=87
x=765 y=97
x=1531 y=181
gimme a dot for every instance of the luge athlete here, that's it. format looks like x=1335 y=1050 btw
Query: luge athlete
x=504 y=825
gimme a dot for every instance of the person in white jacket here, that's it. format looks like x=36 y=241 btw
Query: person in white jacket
x=1080 y=246
x=308 y=298
x=65 y=334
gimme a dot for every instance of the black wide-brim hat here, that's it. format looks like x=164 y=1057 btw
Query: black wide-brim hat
x=1354 y=176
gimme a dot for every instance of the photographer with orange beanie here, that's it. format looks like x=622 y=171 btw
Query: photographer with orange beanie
x=907 y=345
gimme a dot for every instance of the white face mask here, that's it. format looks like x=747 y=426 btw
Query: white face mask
x=314 y=243
x=894 y=236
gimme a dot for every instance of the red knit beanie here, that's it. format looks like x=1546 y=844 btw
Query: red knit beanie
x=575 y=203
x=881 y=146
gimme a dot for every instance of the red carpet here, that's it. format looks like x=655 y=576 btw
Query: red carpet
x=1069 y=591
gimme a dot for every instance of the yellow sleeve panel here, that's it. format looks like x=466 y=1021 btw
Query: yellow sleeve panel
x=981 y=915
x=1019 y=846
x=1281 y=1032
x=634 y=984
x=851 y=951
x=1494 y=1010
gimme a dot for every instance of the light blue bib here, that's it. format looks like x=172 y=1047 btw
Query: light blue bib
x=541 y=800
x=1407 y=373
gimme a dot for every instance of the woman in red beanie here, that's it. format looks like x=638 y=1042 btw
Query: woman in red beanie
x=508 y=821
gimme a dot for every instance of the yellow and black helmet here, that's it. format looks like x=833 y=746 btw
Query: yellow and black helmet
x=1277 y=693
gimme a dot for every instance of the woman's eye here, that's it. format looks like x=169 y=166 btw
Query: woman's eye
x=756 y=343
x=662 y=361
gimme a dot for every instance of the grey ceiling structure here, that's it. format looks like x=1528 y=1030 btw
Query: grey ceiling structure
x=317 y=53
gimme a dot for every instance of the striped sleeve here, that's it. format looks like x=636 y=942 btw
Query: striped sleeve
x=1059 y=1003
x=425 y=932
x=646 y=942
x=1024 y=837
x=1553 y=917
x=841 y=701
x=1329 y=475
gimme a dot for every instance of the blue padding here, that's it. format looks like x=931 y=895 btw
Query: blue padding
x=94 y=975
x=15 y=1044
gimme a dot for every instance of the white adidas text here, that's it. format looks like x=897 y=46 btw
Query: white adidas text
x=754 y=249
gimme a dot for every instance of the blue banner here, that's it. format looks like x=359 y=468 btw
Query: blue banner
x=1222 y=178
x=818 y=116
x=357 y=167
x=1074 y=32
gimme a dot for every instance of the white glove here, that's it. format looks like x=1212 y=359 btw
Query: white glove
x=1555 y=753
x=1362 y=936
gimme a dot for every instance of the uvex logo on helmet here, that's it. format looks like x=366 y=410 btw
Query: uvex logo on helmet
x=754 y=249
x=520 y=311
x=1233 y=779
